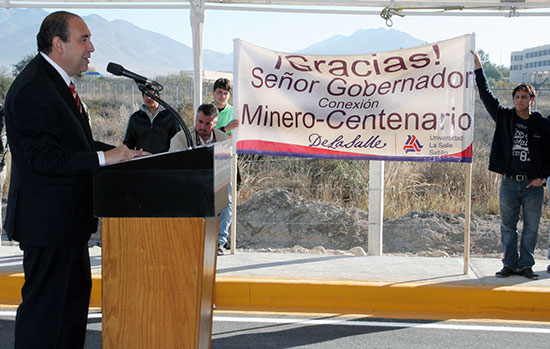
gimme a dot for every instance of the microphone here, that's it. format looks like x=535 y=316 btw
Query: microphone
x=118 y=70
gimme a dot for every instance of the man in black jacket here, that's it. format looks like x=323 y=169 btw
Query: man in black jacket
x=520 y=153
x=151 y=127
x=50 y=199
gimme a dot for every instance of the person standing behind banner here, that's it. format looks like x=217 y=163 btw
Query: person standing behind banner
x=221 y=93
x=204 y=132
x=520 y=153
x=151 y=127
x=50 y=198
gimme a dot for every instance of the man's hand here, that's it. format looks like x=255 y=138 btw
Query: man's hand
x=535 y=183
x=122 y=153
x=233 y=124
x=476 y=59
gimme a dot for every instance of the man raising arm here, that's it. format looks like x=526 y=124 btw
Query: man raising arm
x=519 y=152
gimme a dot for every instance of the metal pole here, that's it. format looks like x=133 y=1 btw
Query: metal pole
x=197 y=23
x=467 y=216
x=376 y=207
x=233 y=231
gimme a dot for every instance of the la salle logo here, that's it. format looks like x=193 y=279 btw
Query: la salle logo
x=412 y=145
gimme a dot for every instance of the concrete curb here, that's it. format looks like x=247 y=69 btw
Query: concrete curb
x=11 y=283
x=380 y=299
x=412 y=299
x=10 y=290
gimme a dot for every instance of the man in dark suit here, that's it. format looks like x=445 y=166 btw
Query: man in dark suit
x=50 y=197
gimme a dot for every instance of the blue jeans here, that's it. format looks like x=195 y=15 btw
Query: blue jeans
x=225 y=222
x=513 y=196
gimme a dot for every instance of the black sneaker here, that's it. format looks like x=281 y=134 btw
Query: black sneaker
x=220 y=251
x=528 y=273
x=505 y=272
x=548 y=268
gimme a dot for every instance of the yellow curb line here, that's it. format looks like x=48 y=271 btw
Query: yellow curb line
x=10 y=288
x=96 y=294
x=11 y=283
x=438 y=301
x=411 y=299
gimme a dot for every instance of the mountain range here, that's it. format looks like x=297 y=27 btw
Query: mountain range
x=152 y=54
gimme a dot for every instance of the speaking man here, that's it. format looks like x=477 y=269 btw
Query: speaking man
x=50 y=199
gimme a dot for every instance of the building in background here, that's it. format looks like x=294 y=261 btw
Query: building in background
x=531 y=66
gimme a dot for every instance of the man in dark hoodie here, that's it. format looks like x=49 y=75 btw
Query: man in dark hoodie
x=520 y=153
x=151 y=127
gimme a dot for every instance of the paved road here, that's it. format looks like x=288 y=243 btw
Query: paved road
x=324 y=331
x=7 y=322
x=261 y=331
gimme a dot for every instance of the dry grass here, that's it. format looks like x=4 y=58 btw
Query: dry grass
x=408 y=186
x=440 y=186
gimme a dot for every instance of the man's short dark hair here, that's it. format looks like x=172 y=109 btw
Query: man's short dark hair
x=525 y=87
x=208 y=109
x=222 y=83
x=55 y=24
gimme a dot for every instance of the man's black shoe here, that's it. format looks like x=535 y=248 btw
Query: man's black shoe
x=528 y=273
x=505 y=272
x=548 y=268
x=220 y=251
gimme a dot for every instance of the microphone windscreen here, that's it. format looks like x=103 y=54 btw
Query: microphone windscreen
x=115 y=69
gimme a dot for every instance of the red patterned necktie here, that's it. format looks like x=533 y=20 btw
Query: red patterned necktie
x=75 y=96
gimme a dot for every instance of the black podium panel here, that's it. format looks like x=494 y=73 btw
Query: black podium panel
x=189 y=183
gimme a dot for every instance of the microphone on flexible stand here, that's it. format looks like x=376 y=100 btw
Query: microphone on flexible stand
x=144 y=85
x=118 y=70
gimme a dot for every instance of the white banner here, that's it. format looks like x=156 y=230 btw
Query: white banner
x=414 y=104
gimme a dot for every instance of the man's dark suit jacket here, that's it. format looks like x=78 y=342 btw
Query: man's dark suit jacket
x=53 y=159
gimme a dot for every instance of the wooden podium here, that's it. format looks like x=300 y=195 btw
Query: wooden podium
x=159 y=246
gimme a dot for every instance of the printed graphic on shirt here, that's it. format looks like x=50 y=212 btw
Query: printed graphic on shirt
x=520 y=149
x=520 y=162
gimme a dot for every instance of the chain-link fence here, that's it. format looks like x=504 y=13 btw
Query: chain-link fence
x=177 y=89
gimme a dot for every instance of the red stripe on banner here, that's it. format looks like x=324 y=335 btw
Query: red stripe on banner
x=275 y=147
x=466 y=153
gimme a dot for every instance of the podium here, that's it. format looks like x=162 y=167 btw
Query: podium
x=159 y=246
